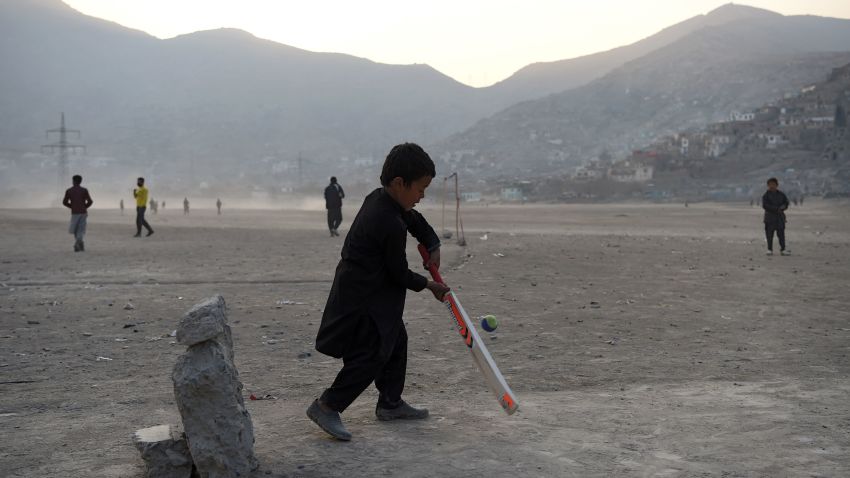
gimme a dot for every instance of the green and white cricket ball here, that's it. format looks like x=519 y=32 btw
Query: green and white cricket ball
x=489 y=323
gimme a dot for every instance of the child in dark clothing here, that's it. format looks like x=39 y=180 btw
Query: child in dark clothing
x=362 y=321
x=774 y=202
x=333 y=203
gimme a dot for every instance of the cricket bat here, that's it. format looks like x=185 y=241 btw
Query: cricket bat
x=479 y=351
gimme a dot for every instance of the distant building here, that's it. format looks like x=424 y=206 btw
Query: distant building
x=585 y=173
x=512 y=193
x=471 y=196
x=772 y=140
x=736 y=116
x=684 y=146
x=626 y=172
x=717 y=145
x=820 y=121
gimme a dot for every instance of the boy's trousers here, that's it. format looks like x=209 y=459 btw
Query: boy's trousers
x=779 y=229
x=363 y=364
x=334 y=218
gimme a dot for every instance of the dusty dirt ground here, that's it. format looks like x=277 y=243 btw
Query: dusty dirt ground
x=641 y=340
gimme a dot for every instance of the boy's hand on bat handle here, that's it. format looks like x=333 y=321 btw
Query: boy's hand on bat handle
x=438 y=289
x=433 y=260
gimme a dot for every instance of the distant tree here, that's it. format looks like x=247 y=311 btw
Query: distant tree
x=840 y=117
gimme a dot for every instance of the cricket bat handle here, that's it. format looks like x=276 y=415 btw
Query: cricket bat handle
x=435 y=274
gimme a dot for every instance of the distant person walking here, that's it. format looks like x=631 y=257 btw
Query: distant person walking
x=333 y=203
x=77 y=199
x=218 y=205
x=185 y=206
x=153 y=206
x=121 y=205
x=801 y=200
x=141 y=195
x=774 y=202
x=163 y=205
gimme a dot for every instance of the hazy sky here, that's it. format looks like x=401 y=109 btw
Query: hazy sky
x=478 y=42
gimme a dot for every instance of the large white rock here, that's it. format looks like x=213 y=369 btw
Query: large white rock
x=209 y=395
x=165 y=452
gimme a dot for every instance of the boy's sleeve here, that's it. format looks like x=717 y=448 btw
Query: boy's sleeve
x=422 y=231
x=87 y=201
x=764 y=203
x=66 y=201
x=395 y=257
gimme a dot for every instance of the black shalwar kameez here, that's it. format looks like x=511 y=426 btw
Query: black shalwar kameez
x=774 y=204
x=362 y=322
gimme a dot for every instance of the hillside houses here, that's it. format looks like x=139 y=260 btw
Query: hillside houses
x=815 y=119
x=636 y=169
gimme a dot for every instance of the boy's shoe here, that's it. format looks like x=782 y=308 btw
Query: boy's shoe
x=150 y=233
x=330 y=422
x=402 y=412
x=769 y=252
x=332 y=232
x=76 y=247
x=138 y=234
x=82 y=246
x=784 y=253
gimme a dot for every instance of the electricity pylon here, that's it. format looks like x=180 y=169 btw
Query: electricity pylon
x=63 y=146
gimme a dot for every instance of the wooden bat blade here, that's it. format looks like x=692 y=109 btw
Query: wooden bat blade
x=492 y=375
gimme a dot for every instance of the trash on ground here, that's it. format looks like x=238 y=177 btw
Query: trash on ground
x=288 y=302
x=263 y=397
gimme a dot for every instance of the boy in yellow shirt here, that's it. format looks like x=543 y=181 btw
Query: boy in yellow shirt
x=141 y=195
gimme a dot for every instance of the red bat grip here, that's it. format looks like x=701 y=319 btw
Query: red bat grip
x=435 y=274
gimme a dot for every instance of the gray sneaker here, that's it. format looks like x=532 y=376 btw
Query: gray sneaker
x=328 y=421
x=402 y=412
x=784 y=253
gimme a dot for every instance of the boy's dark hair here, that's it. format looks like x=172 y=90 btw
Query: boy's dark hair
x=77 y=179
x=773 y=180
x=141 y=179
x=333 y=179
x=407 y=161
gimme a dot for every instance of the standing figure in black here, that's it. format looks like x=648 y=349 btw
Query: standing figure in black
x=774 y=202
x=333 y=203
x=362 y=322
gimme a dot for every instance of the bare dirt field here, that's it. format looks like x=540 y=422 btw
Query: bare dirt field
x=641 y=340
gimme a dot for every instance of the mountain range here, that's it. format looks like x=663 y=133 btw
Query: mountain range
x=222 y=104
x=701 y=78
